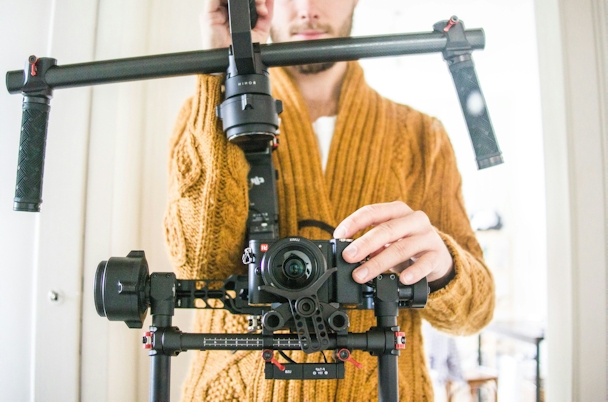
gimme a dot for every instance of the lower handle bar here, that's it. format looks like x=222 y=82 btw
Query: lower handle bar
x=171 y=341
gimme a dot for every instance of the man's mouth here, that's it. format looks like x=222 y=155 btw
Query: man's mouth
x=308 y=34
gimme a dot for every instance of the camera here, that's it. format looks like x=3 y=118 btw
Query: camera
x=294 y=264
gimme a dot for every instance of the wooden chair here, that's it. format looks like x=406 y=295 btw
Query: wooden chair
x=481 y=377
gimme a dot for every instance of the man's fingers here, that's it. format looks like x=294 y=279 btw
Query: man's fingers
x=368 y=216
x=420 y=269
x=218 y=17
x=392 y=256
x=386 y=233
x=215 y=12
x=261 y=8
x=214 y=5
x=210 y=5
x=215 y=27
x=262 y=27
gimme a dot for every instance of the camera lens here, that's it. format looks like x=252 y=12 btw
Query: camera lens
x=294 y=267
x=293 y=263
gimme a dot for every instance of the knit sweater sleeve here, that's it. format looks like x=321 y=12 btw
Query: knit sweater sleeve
x=466 y=304
x=208 y=200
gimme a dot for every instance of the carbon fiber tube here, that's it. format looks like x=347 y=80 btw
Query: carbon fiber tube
x=32 y=144
x=476 y=114
x=160 y=376
x=216 y=60
x=388 y=383
x=190 y=341
x=160 y=365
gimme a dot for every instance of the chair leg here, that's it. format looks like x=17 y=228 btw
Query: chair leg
x=449 y=394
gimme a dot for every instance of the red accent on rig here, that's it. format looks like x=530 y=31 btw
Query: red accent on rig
x=268 y=357
x=33 y=60
x=147 y=340
x=344 y=355
x=451 y=22
x=399 y=340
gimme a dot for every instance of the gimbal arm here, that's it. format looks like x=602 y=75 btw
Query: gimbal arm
x=216 y=60
x=41 y=76
x=124 y=291
x=127 y=298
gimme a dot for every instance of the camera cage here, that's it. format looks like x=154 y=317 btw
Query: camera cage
x=315 y=311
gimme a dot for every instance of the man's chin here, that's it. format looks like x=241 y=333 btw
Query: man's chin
x=316 y=68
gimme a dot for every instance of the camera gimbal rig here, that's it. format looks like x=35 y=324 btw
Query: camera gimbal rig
x=292 y=283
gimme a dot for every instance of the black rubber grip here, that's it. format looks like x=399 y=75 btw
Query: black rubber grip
x=32 y=144
x=476 y=114
x=253 y=14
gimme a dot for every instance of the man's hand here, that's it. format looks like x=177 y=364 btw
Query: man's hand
x=215 y=26
x=398 y=237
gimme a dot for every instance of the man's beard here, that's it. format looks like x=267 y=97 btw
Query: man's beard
x=315 y=68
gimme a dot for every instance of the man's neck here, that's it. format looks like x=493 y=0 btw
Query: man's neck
x=321 y=91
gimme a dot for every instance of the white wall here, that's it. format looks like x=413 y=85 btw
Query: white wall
x=17 y=245
x=572 y=49
x=105 y=178
x=130 y=127
x=106 y=166
x=43 y=253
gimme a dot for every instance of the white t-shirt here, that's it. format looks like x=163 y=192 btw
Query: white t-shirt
x=324 y=130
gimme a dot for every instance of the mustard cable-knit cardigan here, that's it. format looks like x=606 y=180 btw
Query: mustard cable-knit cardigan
x=380 y=152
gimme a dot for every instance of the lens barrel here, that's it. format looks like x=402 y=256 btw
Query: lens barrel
x=292 y=263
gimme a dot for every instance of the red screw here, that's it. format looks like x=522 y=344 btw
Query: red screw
x=453 y=21
x=344 y=355
x=32 y=60
x=268 y=357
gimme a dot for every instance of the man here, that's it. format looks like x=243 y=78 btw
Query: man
x=375 y=170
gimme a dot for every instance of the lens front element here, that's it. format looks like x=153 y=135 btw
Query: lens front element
x=293 y=264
